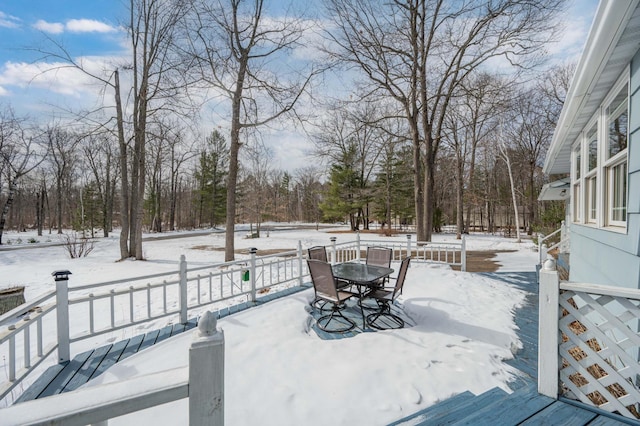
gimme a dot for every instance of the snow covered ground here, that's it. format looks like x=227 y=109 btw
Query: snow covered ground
x=278 y=372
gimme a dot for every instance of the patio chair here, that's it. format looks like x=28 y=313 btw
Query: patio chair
x=379 y=256
x=317 y=253
x=320 y=253
x=326 y=290
x=384 y=298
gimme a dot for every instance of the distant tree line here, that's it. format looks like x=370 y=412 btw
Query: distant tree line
x=429 y=134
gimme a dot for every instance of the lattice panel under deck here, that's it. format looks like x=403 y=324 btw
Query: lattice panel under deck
x=599 y=350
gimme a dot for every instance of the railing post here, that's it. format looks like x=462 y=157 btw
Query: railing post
x=206 y=374
x=333 y=251
x=548 y=330
x=563 y=237
x=300 y=263
x=252 y=272
x=543 y=253
x=463 y=254
x=409 y=245
x=540 y=240
x=184 y=302
x=62 y=314
x=357 y=246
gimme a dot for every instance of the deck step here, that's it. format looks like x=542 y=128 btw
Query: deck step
x=466 y=408
x=561 y=413
x=510 y=410
x=436 y=410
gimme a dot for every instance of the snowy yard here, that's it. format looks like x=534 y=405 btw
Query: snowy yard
x=277 y=370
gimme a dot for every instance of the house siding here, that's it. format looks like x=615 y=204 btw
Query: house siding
x=607 y=257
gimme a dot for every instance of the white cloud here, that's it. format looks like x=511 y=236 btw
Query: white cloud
x=49 y=27
x=88 y=26
x=57 y=78
x=74 y=26
x=8 y=21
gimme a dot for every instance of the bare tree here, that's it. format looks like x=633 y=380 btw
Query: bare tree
x=154 y=72
x=354 y=131
x=308 y=189
x=235 y=47
x=255 y=184
x=504 y=154
x=418 y=52
x=62 y=146
x=470 y=120
x=19 y=155
x=100 y=154
x=554 y=84
x=530 y=131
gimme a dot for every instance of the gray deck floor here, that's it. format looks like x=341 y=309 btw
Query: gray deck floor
x=70 y=375
x=524 y=406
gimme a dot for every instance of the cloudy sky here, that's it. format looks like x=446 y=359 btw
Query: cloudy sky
x=91 y=30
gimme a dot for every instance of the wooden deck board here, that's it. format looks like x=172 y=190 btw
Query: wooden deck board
x=58 y=384
x=560 y=413
x=468 y=407
x=436 y=410
x=608 y=421
x=41 y=382
x=84 y=373
x=527 y=400
x=165 y=333
x=149 y=339
x=133 y=345
x=110 y=358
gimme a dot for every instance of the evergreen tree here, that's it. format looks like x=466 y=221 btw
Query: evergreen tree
x=393 y=187
x=211 y=180
x=344 y=196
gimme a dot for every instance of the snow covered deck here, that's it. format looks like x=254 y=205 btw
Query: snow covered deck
x=523 y=406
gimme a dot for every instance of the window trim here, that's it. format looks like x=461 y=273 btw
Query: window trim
x=609 y=173
x=599 y=181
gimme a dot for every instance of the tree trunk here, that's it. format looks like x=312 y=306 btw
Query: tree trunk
x=59 y=203
x=232 y=179
x=7 y=206
x=459 y=196
x=125 y=219
x=513 y=195
x=232 y=182
x=40 y=209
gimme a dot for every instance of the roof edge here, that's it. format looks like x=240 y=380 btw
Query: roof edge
x=609 y=22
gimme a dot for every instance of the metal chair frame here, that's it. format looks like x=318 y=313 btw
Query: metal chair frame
x=326 y=289
x=384 y=297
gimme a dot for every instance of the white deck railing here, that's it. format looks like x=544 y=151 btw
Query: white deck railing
x=562 y=245
x=589 y=343
x=202 y=382
x=31 y=333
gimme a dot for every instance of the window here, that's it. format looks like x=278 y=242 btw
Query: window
x=618 y=194
x=592 y=199
x=618 y=121
x=591 y=175
x=599 y=163
x=592 y=143
x=577 y=204
x=577 y=198
x=616 y=165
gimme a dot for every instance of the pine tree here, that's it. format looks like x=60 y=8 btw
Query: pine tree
x=211 y=180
